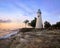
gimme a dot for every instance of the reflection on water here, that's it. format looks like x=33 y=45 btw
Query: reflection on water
x=6 y=34
x=5 y=28
x=11 y=25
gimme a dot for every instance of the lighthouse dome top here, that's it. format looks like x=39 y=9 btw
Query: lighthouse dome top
x=39 y=11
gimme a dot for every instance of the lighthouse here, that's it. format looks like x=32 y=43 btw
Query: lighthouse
x=39 y=24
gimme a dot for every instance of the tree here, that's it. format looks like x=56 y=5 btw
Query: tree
x=47 y=24
x=26 y=21
x=33 y=22
x=58 y=24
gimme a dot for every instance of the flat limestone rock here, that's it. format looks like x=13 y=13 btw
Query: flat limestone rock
x=41 y=39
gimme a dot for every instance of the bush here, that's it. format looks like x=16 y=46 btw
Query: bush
x=26 y=29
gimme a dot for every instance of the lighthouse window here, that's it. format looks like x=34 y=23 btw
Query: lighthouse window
x=38 y=16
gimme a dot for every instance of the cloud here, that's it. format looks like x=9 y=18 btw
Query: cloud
x=4 y=21
x=23 y=7
x=15 y=17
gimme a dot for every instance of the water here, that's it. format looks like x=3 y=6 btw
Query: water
x=7 y=34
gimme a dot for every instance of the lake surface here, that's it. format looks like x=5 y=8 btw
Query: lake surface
x=7 y=34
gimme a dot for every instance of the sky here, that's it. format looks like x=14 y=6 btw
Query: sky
x=20 y=10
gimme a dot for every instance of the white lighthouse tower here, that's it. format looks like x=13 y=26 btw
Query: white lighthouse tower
x=39 y=24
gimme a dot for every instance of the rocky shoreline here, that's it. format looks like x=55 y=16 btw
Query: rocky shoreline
x=34 y=39
x=39 y=39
